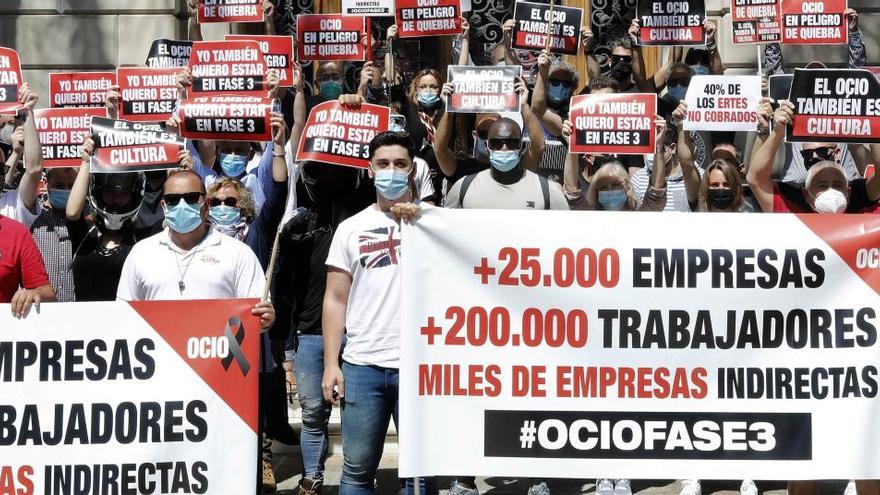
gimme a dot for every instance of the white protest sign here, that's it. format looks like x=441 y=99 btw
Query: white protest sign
x=723 y=103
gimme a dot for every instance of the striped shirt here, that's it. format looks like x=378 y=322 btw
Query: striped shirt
x=50 y=233
x=676 y=193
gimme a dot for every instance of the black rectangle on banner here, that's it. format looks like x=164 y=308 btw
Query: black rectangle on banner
x=648 y=435
x=835 y=106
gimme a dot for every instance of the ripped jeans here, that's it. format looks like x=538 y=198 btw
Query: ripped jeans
x=308 y=366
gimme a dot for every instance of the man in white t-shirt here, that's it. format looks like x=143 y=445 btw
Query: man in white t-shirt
x=362 y=300
x=189 y=259
x=21 y=204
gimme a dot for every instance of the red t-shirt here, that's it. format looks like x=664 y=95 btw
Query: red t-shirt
x=20 y=261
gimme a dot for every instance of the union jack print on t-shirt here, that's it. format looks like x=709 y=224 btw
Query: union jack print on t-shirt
x=379 y=247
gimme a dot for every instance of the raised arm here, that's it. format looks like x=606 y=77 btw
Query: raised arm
x=445 y=157
x=550 y=119
x=194 y=31
x=80 y=190
x=760 y=176
x=33 y=151
x=655 y=194
x=587 y=46
x=300 y=109
x=685 y=151
x=858 y=55
x=510 y=57
x=638 y=63
x=464 y=53
x=269 y=16
x=390 y=69
x=535 y=153
x=716 y=65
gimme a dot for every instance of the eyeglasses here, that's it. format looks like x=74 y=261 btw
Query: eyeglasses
x=824 y=153
x=618 y=58
x=678 y=82
x=233 y=202
x=560 y=82
x=191 y=198
x=496 y=144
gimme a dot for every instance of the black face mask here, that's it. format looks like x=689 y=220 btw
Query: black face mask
x=720 y=199
x=621 y=70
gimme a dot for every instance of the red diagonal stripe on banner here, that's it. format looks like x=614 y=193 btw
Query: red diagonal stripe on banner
x=177 y=321
x=847 y=235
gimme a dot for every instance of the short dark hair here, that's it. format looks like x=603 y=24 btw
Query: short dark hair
x=603 y=82
x=193 y=174
x=391 y=138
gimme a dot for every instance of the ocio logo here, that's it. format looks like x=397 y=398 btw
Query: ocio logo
x=207 y=347
x=868 y=258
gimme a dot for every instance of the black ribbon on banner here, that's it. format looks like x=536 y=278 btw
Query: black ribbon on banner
x=235 y=350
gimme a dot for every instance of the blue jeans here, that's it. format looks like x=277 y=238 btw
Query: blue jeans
x=308 y=366
x=370 y=402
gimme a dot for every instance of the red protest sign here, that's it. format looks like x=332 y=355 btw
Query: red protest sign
x=278 y=52
x=483 y=89
x=62 y=131
x=755 y=21
x=417 y=18
x=79 y=89
x=533 y=20
x=10 y=81
x=332 y=37
x=341 y=136
x=230 y=11
x=226 y=118
x=814 y=22
x=227 y=67
x=123 y=146
x=147 y=94
x=613 y=123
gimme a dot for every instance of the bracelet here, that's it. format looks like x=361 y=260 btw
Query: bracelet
x=277 y=155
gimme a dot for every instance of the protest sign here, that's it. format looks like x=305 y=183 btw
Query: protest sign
x=674 y=23
x=561 y=350
x=230 y=11
x=814 y=22
x=778 y=87
x=227 y=67
x=613 y=123
x=79 y=89
x=835 y=106
x=169 y=53
x=90 y=408
x=873 y=70
x=483 y=89
x=10 y=81
x=332 y=37
x=723 y=103
x=123 y=146
x=278 y=52
x=368 y=7
x=755 y=21
x=147 y=94
x=62 y=131
x=228 y=118
x=534 y=19
x=341 y=135
x=416 y=18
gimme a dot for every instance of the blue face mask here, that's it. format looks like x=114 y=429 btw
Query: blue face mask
x=700 y=70
x=428 y=98
x=224 y=215
x=183 y=218
x=558 y=93
x=674 y=94
x=58 y=198
x=233 y=165
x=612 y=200
x=504 y=161
x=330 y=90
x=391 y=184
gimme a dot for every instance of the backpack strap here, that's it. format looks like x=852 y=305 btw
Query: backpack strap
x=545 y=190
x=465 y=184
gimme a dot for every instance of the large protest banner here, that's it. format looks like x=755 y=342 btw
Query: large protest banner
x=835 y=105
x=62 y=131
x=147 y=94
x=814 y=22
x=534 y=20
x=755 y=21
x=417 y=18
x=278 y=52
x=368 y=7
x=227 y=118
x=613 y=123
x=169 y=53
x=678 y=23
x=341 y=135
x=483 y=89
x=560 y=350
x=10 y=81
x=123 y=146
x=332 y=37
x=723 y=103
x=227 y=67
x=79 y=89
x=141 y=397
x=230 y=11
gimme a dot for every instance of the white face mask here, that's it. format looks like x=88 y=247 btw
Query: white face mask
x=830 y=201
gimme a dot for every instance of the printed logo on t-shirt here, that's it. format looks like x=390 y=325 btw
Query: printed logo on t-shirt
x=530 y=204
x=378 y=247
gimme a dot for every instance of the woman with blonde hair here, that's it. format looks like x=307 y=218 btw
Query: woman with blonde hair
x=721 y=188
x=231 y=207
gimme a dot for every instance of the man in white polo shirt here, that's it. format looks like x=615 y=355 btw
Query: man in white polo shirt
x=189 y=259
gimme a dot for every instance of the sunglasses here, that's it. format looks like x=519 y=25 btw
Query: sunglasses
x=560 y=82
x=233 y=202
x=678 y=82
x=822 y=154
x=496 y=144
x=191 y=198
x=624 y=58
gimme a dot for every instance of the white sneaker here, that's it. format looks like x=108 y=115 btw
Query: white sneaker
x=690 y=487
x=622 y=487
x=748 y=488
x=604 y=486
x=850 y=488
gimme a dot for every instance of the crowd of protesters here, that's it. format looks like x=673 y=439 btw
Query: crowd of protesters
x=333 y=320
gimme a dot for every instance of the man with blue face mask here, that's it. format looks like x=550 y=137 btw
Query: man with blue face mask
x=51 y=235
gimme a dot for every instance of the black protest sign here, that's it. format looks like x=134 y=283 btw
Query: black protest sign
x=123 y=146
x=483 y=89
x=779 y=87
x=671 y=22
x=169 y=53
x=533 y=20
x=226 y=118
x=835 y=106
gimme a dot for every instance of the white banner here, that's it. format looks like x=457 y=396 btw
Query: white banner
x=115 y=397
x=634 y=345
x=723 y=103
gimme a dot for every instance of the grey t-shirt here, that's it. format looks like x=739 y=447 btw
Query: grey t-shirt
x=486 y=193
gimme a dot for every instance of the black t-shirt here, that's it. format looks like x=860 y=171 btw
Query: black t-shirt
x=793 y=194
x=96 y=272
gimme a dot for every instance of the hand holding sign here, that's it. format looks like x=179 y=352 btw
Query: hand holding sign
x=28 y=98
x=784 y=114
x=852 y=19
x=111 y=102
